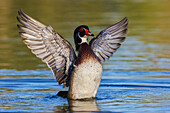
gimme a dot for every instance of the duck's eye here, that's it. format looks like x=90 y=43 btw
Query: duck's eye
x=81 y=29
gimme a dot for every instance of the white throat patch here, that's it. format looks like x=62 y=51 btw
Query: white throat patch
x=83 y=39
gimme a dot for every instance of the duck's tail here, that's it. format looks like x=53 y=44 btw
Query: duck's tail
x=62 y=94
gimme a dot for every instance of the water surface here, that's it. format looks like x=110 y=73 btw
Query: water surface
x=135 y=79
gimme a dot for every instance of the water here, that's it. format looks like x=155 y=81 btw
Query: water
x=135 y=79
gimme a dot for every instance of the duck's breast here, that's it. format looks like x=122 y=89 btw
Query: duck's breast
x=86 y=76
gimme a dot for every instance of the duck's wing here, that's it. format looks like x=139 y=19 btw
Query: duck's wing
x=108 y=40
x=47 y=45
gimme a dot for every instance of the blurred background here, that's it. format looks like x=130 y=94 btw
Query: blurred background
x=136 y=78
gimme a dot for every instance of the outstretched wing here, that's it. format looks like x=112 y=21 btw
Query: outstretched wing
x=108 y=40
x=48 y=45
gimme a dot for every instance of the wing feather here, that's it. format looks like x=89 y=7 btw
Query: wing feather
x=47 y=45
x=109 y=40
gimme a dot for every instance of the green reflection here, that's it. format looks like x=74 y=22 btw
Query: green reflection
x=148 y=23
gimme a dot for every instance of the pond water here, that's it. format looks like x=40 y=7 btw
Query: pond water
x=135 y=79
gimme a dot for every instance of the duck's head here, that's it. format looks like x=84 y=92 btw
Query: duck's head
x=81 y=34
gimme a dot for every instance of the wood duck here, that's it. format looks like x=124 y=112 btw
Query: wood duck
x=82 y=73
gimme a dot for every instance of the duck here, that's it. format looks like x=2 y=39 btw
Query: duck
x=81 y=73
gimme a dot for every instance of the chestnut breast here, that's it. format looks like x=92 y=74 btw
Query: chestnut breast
x=85 y=53
x=86 y=76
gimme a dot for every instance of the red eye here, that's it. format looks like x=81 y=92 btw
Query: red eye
x=81 y=29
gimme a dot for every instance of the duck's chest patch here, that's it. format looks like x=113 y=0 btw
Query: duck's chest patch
x=86 y=55
x=86 y=76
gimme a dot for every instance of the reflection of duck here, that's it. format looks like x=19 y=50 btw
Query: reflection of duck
x=83 y=73
x=83 y=105
x=79 y=106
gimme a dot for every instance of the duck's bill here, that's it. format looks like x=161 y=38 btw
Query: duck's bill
x=89 y=33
